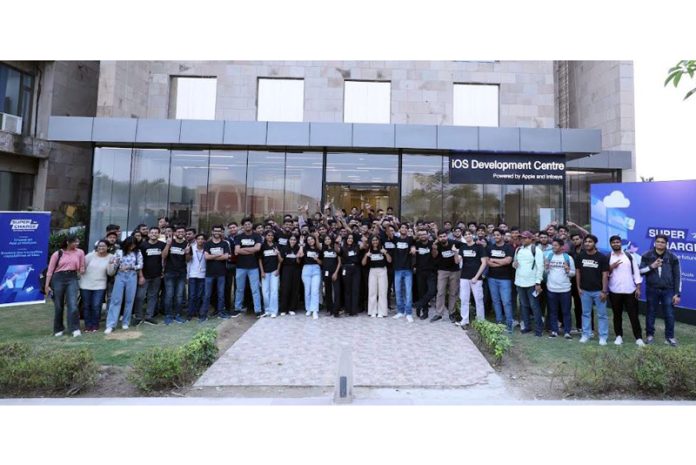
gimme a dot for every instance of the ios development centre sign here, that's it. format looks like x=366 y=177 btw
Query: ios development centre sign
x=506 y=169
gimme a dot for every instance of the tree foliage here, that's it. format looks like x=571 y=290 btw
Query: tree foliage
x=678 y=71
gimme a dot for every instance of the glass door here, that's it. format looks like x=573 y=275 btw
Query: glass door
x=378 y=196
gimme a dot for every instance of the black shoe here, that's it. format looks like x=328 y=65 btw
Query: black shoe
x=136 y=322
x=452 y=318
x=259 y=315
x=424 y=315
x=150 y=321
x=224 y=315
x=235 y=313
x=435 y=318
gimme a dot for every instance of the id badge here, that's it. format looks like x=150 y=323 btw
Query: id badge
x=344 y=271
x=326 y=273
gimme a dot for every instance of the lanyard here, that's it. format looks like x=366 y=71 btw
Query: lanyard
x=199 y=258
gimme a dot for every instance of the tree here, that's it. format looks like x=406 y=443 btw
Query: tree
x=644 y=179
x=679 y=70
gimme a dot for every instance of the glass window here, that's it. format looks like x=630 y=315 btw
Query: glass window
x=367 y=102
x=280 y=100
x=149 y=191
x=461 y=202
x=265 y=183
x=16 y=191
x=16 y=94
x=421 y=187
x=542 y=204
x=362 y=168
x=303 y=172
x=226 y=187
x=492 y=201
x=475 y=105
x=578 y=193
x=110 y=190
x=512 y=202
x=188 y=187
x=195 y=97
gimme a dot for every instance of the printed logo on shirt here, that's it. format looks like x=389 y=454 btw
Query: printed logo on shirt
x=423 y=251
x=152 y=252
x=375 y=257
x=469 y=253
x=248 y=242
x=291 y=255
x=283 y=241
x=330 y=254
x=588 y=263
x=269 y=253
x=402 y=245
x=447 y=254
x=312 y=254
x=175 y=250
x=498 y=253
x=351 y=253
x=389 y=245
x=217 y=251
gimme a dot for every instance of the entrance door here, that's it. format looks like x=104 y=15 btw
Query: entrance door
x=378 y=196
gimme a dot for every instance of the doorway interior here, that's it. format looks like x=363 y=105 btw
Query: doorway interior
x=378 y=196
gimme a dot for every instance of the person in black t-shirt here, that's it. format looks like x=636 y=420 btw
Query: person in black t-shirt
x=474 y=262
x=500 y=255
x=311 y=275
x=231 y=267
x=330 y=269
x=174 y=255
x=350 y=259
x=151 y=250
x=592 y=277
x=404 y=252
x=246 y=245
x=289 y=277
x=426 y=276
x=269 y=263
x=217 y=252
x=447 y=261
x=376 y=259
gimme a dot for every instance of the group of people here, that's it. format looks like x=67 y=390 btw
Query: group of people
x=354 y=262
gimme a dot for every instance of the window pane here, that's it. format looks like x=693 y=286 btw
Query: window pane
x=475 y=105
x=362 y=168
x=421 y=187
x=110 y=191
x=367 y=102
x=578 y=193
x=188 y=187
x=492 y=202
x=265 y=183
x=302 y=181
x=462 y=202
x=16 y=191
x=537 y=202
x=512 y=201
x=195 y=97
x=281 y=100
x=226 y=187
x=149 y=187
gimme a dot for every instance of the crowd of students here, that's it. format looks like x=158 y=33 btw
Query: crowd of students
x=355 y=262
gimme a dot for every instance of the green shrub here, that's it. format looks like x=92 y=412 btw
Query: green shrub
x=166 y=368
x=600 y=370
x=648 y=372
x=55 y=372
x=494 y=337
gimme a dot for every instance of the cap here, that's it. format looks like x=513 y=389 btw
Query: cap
x=527 y=234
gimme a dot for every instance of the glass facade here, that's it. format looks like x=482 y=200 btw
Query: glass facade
x=206 y=187
x=16 y=191
x=16 y=90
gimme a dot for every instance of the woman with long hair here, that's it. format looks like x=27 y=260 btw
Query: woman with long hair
x=376 y=260
x=93 y=284
x=350 y=260
x=311 y=275
x=127 y=264
x=269 y=265
x=289 y=277
x=64 y=268
x=330 y=269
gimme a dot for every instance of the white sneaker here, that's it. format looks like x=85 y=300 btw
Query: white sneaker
x=108 y=330
x=602 y=341
x=58 y=334
x=458 y=323
x=315 y=316
x=409 y=318
x=380 y=316
x=282 y=313
x=640 y=343
x=308 y=313
x=76 y=333
x=291 y=313
x=584 y=339
x=273 y=315
x=373 y=316
x=398 y=315
x=618 y=341
x=124 y=327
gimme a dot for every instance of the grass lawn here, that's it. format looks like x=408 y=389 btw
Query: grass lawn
x=33 y=324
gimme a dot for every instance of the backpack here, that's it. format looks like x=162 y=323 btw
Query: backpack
x=533 y=254
x=44 y=272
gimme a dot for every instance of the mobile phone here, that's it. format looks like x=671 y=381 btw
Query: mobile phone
x=535 y=293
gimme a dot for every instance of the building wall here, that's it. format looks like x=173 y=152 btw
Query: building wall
x=421 y=90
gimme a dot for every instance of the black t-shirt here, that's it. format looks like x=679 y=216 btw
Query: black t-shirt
x=329 y=260
x=311 y=254
x=390 y=246
x=351 y=255
x=500 y=272
x=402 y=253
x=269 y=257
x=471 y=259
x=245 y=241
x=215 y=268
x=289 y=255
x=176 y=260
x=152 y=258
x=591 y=268
x=282 y=238
x=424 y=256
x=445 y=257
x=377 y=259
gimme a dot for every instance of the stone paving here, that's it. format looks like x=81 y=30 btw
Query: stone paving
x=299 y=351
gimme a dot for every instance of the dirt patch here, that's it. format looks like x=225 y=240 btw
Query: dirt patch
x=123 y=336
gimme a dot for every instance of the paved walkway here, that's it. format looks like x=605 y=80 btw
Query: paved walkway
x=299 y=351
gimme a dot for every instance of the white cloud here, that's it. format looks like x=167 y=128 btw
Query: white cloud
x=616 y=200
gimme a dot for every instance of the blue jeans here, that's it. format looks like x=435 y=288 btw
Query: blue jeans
x=174 y=284
x=404 y=294
x=528 y=300
x=240 y=280
x=219 y=282
x=91 y=304
x=126 y=283
x=196 y=288
x=311 y=278
x=556 y=300
x=269 y=288
x=588 y=298
x=501 y=295
x=654 y=298
x=65 y=287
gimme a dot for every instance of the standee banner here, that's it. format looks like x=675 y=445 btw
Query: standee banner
x=23 y=255
x=467 y=168
x=639 y=211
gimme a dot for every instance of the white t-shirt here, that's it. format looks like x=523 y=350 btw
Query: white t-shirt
x=96 y=269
